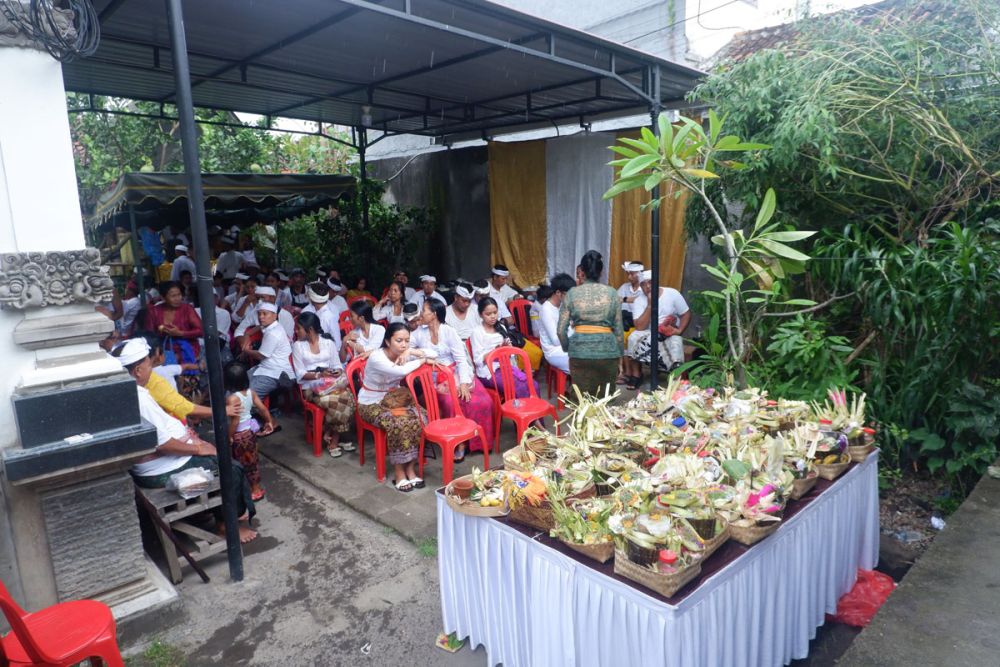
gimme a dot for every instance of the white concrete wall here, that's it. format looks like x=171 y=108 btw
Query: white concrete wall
x=39 y=203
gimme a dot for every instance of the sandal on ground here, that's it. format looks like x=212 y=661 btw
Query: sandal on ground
x=258 y=496
x=417 y=483
x=634 y=382
x=335 y=452
x=403 y=485
x=348 y=446
x=266 y=435
x=622 y=379
x=459 y=459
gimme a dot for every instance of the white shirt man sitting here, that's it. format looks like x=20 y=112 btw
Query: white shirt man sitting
x=182 y=263
x=499 y=289
x=631 y=293
x=674 y=316
x=274 y=369
x=462 y=315
x=249 y=321
x=337 y=291
x=319 y=303
x=428 y=290
x=548 y=322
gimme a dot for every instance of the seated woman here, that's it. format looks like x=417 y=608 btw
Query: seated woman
x=320 y=374
x=385 y=404
x=177 y=447
x=449 y=350
x=674 y=316
x=360 y=288
x=485 y=339
x=390 y=308
x=178 y=321
x=366 y=336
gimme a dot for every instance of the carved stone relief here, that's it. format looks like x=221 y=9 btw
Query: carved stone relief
x=36 y=279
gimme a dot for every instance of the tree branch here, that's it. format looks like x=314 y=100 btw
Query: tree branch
x=811 y=309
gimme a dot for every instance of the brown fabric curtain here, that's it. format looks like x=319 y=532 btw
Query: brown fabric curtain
x=630 y=234
x=517 y=209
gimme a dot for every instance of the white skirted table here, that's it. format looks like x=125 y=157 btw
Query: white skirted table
x=531 y=601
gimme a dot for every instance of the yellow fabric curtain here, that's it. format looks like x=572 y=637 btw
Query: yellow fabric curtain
x=517 y=209
x=630 y=234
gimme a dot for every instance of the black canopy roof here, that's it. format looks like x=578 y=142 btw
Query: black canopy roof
x=160 y=199
x=431 y=67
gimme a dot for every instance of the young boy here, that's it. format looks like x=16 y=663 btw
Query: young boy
x=168 y=372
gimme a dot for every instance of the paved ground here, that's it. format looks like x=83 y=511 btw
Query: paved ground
x=946 y=609
x=324 y=586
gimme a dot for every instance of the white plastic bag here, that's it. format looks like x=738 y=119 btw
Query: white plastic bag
x=190 y=483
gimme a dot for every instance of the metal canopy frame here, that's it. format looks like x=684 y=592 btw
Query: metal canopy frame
x=502 y=71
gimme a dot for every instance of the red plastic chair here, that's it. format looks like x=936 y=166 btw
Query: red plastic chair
x=495 y=397
x=520 y=309
x=345 y=323
x=446 y=432
x=556 y=379
x=355 y=371
x=61 y=635
x=523 y=411
x=315 y=417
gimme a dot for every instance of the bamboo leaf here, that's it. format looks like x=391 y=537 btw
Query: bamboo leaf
x=782 y=250
x=788 y=237
x=653 y=180
x=714 y=125
x=766 y=209
x=638 y=164
x=641 y=146
x=699 y=173
x=623 y=151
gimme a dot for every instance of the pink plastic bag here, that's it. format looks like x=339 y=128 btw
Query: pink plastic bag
x=860 y=604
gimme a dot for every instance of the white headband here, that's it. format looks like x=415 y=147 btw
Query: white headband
x=318 y=298
x=133 y=350
x=463 y=292
x=412 y=316
x=321 y=273
x=336 y=285
x=181 y=248
x=630 y=267
x=428 y=279
x=242 y=276
x=646 y=275
x=500 y=272
x=265 y=291
x=282 y=275
x=268 y=307
x=483 y=291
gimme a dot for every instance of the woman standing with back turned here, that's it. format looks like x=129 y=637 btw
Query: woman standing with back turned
x=594 y=312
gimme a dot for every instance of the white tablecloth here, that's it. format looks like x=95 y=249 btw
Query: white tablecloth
x=529 y=604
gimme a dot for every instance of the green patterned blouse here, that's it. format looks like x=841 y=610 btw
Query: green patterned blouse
x=596 y=305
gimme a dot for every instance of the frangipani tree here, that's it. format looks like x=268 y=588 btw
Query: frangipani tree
x=757 y=260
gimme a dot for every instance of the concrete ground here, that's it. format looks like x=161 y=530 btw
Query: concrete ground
x=946 y=609
x=323 y=585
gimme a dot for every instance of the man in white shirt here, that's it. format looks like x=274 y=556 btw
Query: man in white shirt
x=182 y=263
x=274 y=368
x=630 y=292
x=230 y=261
x=674 y=316
x=337 y=291
x=276 y=281
x=548 y=323
x=428 y=284
x=401 y=278
x=499 y=289
x=319 y=297
x=250 y=321
x=247 y=301
x=461 y=315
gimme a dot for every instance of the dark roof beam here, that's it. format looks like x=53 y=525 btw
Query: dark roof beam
x=109 y=11
x=469 y=34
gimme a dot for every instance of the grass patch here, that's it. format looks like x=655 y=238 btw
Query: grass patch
x=428 y=547
x=158 y=654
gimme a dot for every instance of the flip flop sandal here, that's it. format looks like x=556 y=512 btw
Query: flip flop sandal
x=277 y=429
x=417 y=483
x=335 y=452
x=348 y=446
x=634 y=383
x=459 y=459
x=259 y=496
x=403 y=486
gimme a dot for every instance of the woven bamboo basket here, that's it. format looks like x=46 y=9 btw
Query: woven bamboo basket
x=712 y=545
x=748 y=535
x=860 y=452
x=801 y=487
x=512 y=460
x=540 y=516
x=832 y=471
x=602 y=553
x=664 y=584
x=469 y=507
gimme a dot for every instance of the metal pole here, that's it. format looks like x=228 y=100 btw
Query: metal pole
x=206 y=294
x=136 y=262
x=654 y=219
x=363 y=163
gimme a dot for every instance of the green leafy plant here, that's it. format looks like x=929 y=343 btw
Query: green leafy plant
x=688 y=158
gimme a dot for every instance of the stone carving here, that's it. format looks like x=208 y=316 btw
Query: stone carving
x=35 y=279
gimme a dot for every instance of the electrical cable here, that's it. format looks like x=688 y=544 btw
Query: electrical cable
x=41 y=20
x=684 y=20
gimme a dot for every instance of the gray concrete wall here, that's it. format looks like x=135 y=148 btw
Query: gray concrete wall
x=456 y=184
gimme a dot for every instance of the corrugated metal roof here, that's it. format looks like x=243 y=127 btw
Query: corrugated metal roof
x=433 y=67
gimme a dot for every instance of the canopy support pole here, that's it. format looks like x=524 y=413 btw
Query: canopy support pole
x=206 y=293
x=654 y=220
x=136 y=262
x=363 y=164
